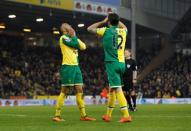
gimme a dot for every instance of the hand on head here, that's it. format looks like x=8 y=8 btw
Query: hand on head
x=71 y=32
x=106 y=19
x=67 y=29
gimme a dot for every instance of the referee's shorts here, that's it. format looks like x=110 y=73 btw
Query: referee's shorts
x=128 y=86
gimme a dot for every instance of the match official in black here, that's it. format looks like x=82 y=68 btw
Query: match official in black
x=130 y=78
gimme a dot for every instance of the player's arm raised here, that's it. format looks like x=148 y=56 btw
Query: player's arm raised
x=82 y=45
x=74 y=42
x=93 y=28
x=121 y=25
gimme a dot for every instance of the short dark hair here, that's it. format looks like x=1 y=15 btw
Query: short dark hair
x=113 y=18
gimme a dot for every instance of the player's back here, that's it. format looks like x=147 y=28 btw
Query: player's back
x=114 y=40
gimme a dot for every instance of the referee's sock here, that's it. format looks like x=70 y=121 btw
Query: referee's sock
x=128 y=98
x=134 y=100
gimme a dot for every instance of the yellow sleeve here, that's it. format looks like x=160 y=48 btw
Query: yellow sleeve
x=100 y=31
x=82 y=45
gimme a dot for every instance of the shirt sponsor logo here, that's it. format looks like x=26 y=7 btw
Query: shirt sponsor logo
x=67 y=39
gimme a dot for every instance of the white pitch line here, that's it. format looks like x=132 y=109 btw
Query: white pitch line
x=19 y=115
x=138 y=116
x=162 y=116
x=22 y=115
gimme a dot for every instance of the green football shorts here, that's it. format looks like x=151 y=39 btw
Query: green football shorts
x=115 y=71
x=71 y=75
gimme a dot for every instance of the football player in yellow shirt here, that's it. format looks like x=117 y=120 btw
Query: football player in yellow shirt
x=113 y=41
x=70 y=72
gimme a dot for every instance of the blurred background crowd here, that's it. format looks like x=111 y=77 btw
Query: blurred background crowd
x=34 y=70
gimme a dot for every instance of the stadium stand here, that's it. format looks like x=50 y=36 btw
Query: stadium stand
x=33 y=70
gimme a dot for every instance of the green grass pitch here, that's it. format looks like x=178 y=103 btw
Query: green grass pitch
x=147 y=118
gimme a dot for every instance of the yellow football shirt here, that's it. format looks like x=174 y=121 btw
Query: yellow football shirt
x=69 y=48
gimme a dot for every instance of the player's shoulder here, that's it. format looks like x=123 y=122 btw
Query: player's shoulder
x=65 y=36
x=122 y=29
x=102 y=29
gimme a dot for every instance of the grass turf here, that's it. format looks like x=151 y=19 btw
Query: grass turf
x=147 y=118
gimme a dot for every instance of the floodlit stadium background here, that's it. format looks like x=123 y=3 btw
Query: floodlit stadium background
x=159 y=36
x=30 y=59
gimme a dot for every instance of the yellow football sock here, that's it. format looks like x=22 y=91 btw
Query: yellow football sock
x=80 y=103
x=122 y=103
x=111 y=103
x=59 y=104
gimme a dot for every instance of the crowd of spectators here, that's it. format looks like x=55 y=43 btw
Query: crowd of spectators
x=34 y=70
x=27 y=70
x=171 y=79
